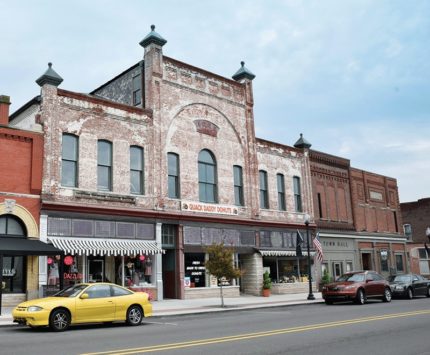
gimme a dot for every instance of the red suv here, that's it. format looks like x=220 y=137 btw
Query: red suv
x=357 y=286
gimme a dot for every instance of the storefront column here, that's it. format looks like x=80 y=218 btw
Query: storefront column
x=43 y=260
x=122 y=271
x=158 y=264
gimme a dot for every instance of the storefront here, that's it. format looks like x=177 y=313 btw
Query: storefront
x=197 y=281
x=107 y=256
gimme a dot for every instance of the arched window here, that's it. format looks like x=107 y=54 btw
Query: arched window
x=104 y=165
x=13 y=266
x=207 y=177
x=10 y=226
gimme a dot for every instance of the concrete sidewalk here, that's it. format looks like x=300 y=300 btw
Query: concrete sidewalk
x=205 y=305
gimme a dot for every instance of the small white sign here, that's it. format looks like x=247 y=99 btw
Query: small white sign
x=187 y=282
x=200 y=207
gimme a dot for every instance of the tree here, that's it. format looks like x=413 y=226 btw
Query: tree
x=220 y=264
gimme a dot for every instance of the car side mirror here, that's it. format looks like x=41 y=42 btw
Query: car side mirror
x=84 y=296
x=367 y=281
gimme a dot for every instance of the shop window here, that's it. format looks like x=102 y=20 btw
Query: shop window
x=281 y=192
x=207 y=177
x=104 y=165
x=195 y=271
x=238 y=185
x=137 y=270
x=399 y=262
x=384 y=260
x=424 y=261
x=136 y=170
x=173 y=175
x=69 y=160
x=264 y=195
x=337 y=269
x=297 y=194
x=349 y=266
x=13 y=266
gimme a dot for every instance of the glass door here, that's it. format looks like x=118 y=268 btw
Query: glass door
x=96 y=269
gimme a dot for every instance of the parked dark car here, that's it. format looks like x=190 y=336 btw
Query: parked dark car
x=409 y=285
x=357 y=286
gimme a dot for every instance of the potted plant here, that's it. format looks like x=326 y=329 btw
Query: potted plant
x=325 y=279
x=267 y=284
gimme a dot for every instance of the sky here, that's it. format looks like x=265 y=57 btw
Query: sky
x=352 y=76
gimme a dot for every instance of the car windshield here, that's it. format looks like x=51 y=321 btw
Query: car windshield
x=400 y=278
x=72 y=291
x=351 y=277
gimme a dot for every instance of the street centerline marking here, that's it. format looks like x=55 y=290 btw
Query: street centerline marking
x=231 y=338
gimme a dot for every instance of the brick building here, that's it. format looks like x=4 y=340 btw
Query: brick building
x=21 y=153
x=159 y=162
x=358 y=217
x=416 y=225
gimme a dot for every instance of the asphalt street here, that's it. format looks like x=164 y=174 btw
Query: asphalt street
x=400 y=327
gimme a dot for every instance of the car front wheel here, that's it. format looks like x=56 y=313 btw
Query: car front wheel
x=361 y=297
x=409 y=294
x=59 y=320
x=387 y=295
x=134 y=315
x=428 y=291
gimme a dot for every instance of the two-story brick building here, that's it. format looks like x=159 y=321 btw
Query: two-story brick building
x=358 y=217
x=21 y=156
x=161 y=161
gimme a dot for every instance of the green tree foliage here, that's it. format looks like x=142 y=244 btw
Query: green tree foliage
x=267 y=282
x=220 y=264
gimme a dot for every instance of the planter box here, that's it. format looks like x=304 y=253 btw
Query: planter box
x=211 y=292
x=290 y=288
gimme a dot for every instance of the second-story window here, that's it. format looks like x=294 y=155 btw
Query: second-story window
x=173 y=175
x=297 y=194
x=238 y=185
x=69 y=160
x=136 y=170
x=137 y=91
x=264 y=195
x=207 y=177
x=281 y=192
x=104 y=165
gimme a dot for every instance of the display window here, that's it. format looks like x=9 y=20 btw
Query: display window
x=13 y=274
x=195 y=271
x=72 y=270
x=137 y=270
x=286 y=270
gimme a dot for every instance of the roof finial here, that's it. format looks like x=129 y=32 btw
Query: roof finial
x=152 y=27
x=242 y=63
x=50 y=64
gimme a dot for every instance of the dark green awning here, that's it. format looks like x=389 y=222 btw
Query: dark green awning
x=22 y=246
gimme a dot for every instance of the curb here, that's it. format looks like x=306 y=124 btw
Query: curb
x=203 y=310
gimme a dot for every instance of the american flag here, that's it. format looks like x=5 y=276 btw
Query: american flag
x=318 y=248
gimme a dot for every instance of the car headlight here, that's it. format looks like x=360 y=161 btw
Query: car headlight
x=349 y=287
x=34 y=309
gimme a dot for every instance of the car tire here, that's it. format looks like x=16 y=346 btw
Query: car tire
x=328 y=301
x=360 y=298
x=59 y=320
x=409 y=293
x=134 y=315
x=387 y=295
x=428 y=292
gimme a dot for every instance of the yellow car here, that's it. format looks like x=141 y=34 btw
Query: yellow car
x=84 y=303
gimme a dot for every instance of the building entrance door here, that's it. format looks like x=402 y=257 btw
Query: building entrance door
x=96 y=269
x=366 y=259
x=169 y=281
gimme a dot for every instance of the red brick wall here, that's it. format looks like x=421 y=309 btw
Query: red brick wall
x=375 y=202
x=21 y=161
x=417 y=214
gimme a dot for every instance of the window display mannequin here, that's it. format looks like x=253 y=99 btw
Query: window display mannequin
x=148 y=269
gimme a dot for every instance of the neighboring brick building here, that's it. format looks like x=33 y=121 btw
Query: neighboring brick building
x=165 y=155
x=416 y=225
x=21 y=153
x=358 y=218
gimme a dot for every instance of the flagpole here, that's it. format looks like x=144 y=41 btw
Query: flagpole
x=311 y=295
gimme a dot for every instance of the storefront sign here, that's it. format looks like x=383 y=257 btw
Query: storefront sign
x=72 y=276
x=209 y=208
x=9 y=272
x=187 y=282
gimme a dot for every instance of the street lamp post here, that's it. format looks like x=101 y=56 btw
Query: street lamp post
x=311 y=295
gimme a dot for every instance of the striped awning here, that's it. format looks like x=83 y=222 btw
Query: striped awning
x=101 y=246
x=282 y=253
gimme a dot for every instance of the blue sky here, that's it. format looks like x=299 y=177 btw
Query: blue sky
x=352 y=76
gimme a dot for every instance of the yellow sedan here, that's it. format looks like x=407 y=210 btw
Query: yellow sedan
x=85 y=303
